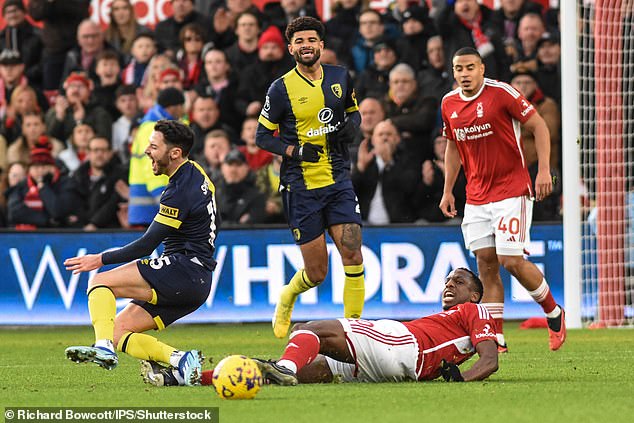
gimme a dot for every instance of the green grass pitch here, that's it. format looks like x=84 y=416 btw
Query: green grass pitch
x=589 y=380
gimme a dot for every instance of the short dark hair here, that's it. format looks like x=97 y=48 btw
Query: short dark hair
x=305 y=23
x=467 y=51
x=177 y=134
x=477 y=283
x=100 y=137
x=107 y=55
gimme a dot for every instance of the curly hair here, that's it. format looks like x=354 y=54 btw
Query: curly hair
x=177 y=134
x=305 y=23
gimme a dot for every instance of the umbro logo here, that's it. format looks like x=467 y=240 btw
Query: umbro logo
x=454 y=115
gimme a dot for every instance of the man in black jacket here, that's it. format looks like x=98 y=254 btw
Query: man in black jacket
x=239 y=200
x=21 y=36
x=167 y=31
x=384 y=178
x=95 y=183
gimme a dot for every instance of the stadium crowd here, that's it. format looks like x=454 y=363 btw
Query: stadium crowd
x=74 y=99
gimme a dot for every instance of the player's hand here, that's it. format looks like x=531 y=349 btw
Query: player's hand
x=448 y=205
x=543 y=185
x=83 y=263
x=307 y=152
x=450 y=372
x=344 y=136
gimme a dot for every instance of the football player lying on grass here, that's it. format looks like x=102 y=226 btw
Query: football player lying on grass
x=385 y=350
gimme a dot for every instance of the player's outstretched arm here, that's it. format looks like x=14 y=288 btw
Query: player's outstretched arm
x=486 y=365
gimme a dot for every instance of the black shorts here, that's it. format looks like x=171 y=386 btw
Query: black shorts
x=181 y=287
x=310 y=212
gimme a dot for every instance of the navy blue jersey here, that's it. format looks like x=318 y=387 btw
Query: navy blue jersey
x=188 y=205
x=307 y=111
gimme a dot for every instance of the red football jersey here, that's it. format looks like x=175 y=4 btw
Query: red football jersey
x=452 y=335
x=486 y=129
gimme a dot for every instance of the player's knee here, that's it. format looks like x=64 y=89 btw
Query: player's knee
x=487 y=262
x=317 y=274
x=512 y=263
x=97 y=280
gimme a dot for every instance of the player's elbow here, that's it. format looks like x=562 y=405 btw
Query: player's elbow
x=490 y=365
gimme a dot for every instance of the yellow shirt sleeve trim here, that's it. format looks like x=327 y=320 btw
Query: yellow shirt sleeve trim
x=174 y=223
x=154 y=298
x=267 y=123
x=352 y=109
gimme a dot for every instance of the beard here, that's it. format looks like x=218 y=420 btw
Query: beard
x=308 y=63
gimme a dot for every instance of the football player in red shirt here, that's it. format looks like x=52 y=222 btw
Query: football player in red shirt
x=482 y=120
x=353 y=350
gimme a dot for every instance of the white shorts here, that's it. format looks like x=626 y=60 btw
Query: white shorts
x=504 y=225
x=384 y=351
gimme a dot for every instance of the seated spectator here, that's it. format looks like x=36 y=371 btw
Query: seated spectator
x=123 y=28
x=167 y=31
x=12 y=77
x=273 y=62
x=94 y=183
x=107 y=69
x=76 y=106
x=45 y=198
x=383 y=178
x=239 y=200
x=91 y=42
x=23 y=100
x=432 y=183
x=374 y=80
x=530 y=30
x=217 y=146
x=33 y=131
x=371 y=30
x=549 y=66
x=15 y=173
x=267 y=181
x=142 y=51
x=19 y=35
x=128 y=106
x=414 y=115
x=255 y=156
x=219 y=83
x=77 y=151
x=188 y=56
x=417 y=29
x=158 y=71
x=434 y=79
x=244 y=51
x=224 y=20
x=372 y=112
x=204 y=118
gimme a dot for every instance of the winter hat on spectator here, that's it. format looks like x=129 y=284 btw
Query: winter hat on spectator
x=272 y=35
x=235 y=156
x=41 y=152
x=78 y=77
x=17 y=3
x=416 y=12
x=10 y=57
x=170 y=71
x=170 y=97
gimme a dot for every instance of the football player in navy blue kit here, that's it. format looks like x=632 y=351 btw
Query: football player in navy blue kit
x=163 y=289
x=314 y=108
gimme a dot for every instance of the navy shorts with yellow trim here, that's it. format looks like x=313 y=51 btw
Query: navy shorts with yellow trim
x=181 y=287
x=310 y=212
